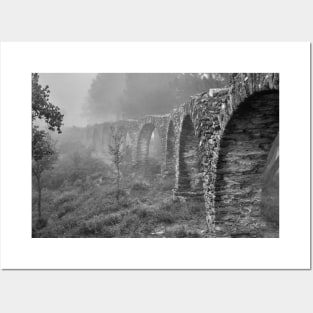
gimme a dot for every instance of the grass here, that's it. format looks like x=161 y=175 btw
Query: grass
x=82 y=207
x=142 y=211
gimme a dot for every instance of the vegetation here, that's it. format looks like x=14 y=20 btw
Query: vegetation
x=86 y=205
x=133 y=95
x=117 y=153
x=44 y=156
x=81 y=195
x=43 y=151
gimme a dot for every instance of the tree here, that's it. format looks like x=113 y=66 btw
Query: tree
x=116 y=151
x=131 y=95
x=103 y=101
x=43 y=150
x=148 y=93
x=159 y=93
x=44 y=156
x=42 y=108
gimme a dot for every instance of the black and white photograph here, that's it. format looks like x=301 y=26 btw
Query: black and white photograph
x=196 y=160
x=155 y=155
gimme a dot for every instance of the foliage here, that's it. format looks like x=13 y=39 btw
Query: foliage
x=42 y=108
x=103 y=97
x=44 y=156
x=41 y=144
x=43 y=150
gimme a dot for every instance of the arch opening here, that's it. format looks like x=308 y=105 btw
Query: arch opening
x=149 y=149
x=243 y=153
x=127 y=147
x=189 y=176
x=155 y=146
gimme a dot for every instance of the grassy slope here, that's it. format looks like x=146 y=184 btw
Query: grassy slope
x=144 y=210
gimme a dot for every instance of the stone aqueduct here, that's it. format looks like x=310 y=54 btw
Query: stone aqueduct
x=216 y=145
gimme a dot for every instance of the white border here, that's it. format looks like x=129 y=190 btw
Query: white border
x=290 y=251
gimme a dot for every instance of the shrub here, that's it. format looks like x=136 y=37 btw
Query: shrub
x=100 y=225
x=74 y=168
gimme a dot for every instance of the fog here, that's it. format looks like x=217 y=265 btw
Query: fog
x=69 y=92
x=96 y=98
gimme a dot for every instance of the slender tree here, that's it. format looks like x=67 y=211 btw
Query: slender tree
x=116 y=151
x=43 y=150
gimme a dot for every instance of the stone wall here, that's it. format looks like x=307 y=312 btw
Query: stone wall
x=189 y=176
x=216 y=114
x=244 y=147
x=170 y=150
x=217 y=143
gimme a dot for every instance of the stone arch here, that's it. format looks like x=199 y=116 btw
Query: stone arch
x=217 y=108
x=128 y=139
x=243 y=149
x=127 y=144
x=189 y=176
x=147 y=125
x=144 y=142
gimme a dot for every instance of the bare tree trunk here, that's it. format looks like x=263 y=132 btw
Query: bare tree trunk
x=39 y=196
x=118 y=184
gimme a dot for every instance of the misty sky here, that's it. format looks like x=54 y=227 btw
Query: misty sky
x=95 y=98
x=69 y=93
